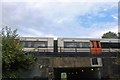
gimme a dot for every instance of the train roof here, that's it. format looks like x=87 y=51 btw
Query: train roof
x=37 y=37
x=100 y=39
x=89 y=38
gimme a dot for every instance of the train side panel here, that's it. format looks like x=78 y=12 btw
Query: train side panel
x=110 y=45
x=37 y=44
x=73 y=45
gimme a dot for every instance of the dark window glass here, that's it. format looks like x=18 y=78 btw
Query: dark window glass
x=26 y=43
x=76 y=44
x=94 y=61
x=80 y=44
x=70 y=44
x=29 y=44
x=110 y=45
x=105 y=45
x=40 y=44
x=22 y=43
x=114 y=45
x=34 y=44
x=92 y=44
x=97 y=42
x=86 y=44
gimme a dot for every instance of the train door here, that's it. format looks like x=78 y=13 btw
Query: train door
x=95 y=47
x=98 y=48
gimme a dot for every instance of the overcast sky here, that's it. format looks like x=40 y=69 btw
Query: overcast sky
x=61 y=18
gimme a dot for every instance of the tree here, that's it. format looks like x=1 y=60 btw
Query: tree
x=109 y=35
x=13 y=58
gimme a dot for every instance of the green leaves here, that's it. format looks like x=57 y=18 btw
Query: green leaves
x=110 y=35
x=13 y=58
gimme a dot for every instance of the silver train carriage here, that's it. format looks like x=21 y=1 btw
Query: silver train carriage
x=48 y=44
x=93 y=45
x=37 y=44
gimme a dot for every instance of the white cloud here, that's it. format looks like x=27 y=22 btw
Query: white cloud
x=53 y=12
x=105 y=9
x=115 y=17
x=113 y=29
x=44 y=18
x=51 y=35
x=101 y=15
x=97 y=32
x=29 y=32
x=60 y=1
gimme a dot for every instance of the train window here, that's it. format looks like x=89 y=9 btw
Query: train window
x=29 y=44
x=70 y=44
x=97 y=42
x=76 y=44
x=92 y=44
x=114 y=45
x=105 y=45
x=86 y=44
x=40 y=44
x=26 y=43
x=79 y=44
x=110 y=45
x=22 y=43
x=34 y=44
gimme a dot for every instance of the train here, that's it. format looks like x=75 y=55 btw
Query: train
x=48 y=44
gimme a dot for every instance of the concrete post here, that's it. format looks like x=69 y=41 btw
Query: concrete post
x=99 y=73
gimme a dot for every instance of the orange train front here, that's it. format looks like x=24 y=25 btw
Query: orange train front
x=95 y=47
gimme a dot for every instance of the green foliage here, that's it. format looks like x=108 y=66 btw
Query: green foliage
x=13 y=58
x=109 y=35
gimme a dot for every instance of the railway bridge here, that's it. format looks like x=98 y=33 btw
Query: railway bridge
x=73 y=65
